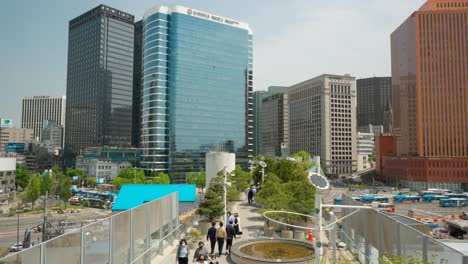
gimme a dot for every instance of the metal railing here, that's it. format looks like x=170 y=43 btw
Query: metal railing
x=371 y=235
x=133 y=236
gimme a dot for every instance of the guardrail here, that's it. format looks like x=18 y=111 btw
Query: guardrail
x=133 y=236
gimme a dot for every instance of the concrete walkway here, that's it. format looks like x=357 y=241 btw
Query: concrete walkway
x=251 y=224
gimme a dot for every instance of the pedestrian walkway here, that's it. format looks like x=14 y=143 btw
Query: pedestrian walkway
x=251 y=224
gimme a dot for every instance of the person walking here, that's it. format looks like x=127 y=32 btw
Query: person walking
x=230 y=236
x=182 y=252
x=230 y=217
x=250 y=195
x=220 y=237
x=201 y=251
x=237 y=223
x=211 y=235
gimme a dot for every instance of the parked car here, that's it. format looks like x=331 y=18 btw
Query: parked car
x=16 y=247
x=74 y=200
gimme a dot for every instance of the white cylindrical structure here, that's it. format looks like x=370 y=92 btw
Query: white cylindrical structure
x=216 y=161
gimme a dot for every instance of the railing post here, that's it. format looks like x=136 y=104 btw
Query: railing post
x=161 y=229
x=110 y=239
x=424 y=248
x=43 y=253
x=398 y=239
x=132 y=235
x=148 y=233
x=82 y=252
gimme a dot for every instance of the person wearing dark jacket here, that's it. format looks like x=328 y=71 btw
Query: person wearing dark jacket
x=211 y=236
x=230 y=235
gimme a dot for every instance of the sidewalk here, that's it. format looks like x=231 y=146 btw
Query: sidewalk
x=251 y=224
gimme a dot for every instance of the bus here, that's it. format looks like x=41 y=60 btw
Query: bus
x=338 y=200
x=368 y=199
x=401 y=198
x=453 y=202
x=428 y=198
x=457 y=195
x=381 y=199
x=435 y=192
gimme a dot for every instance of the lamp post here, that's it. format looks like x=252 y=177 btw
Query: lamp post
x=262 y=164
x=17 y=225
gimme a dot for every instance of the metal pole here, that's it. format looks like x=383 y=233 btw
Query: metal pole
x=134 y=175
x=224 y=192
x=263 y=175
x=318 y=226
x=333 y=237
x=45 y=218
x=17 y=229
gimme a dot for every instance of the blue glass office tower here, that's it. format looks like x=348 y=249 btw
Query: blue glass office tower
x=197 y=89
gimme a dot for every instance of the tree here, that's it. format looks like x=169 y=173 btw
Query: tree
x=33 y=191
x=131 y=173
x=65 y=189
x=212 y=206
x=197 y=178
x=162 y=178
x=82 y=177
x=272 y=196
x=47 y=186
x=22 y=176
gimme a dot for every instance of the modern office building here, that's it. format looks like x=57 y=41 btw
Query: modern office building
x=377 y=130
x=36 y=109
x=322 y=121
x=197 y=89
x=137 y=87
x=52 y=137
x=14 y=135
x=275 y=125
x=430 y=124
x=257 y=106
x=99 y=80
x=373 y=94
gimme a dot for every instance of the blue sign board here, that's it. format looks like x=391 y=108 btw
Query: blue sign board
x=15 y=147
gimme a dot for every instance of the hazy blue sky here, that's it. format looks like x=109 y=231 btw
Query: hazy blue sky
x=293 y=40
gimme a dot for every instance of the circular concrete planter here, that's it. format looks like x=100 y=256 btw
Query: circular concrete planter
x=239 y=257
x=287 y=234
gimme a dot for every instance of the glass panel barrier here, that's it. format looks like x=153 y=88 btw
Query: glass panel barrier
x=97 y=242
x=68 y=245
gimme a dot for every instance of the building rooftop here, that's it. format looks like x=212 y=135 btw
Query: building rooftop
x=132 y=195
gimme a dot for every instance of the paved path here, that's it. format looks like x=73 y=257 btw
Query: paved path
x=251 y=224
x=252 y=227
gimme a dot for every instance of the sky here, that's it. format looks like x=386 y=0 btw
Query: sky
x=294 y=40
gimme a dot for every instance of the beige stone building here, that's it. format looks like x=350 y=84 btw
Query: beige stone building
x=322 y=121
x=14 y=135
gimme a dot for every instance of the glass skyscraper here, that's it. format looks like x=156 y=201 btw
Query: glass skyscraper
x=197 y=89
x=99 y=80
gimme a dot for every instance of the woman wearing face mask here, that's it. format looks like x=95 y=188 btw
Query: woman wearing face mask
x=182 y=252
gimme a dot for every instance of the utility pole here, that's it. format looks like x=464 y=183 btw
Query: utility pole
x=45 y=217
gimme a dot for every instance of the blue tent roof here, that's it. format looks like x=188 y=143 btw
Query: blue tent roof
x=368 y=197
x=133 y=195
x=339 y=198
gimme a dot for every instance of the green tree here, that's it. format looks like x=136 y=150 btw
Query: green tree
x=22 y=176
x=131 y=173
x=272 y=196
x=82 y=177
x=162 y=178
x=65 y=189
x=33 y=191
x=47 y=185
x=197 y=178
x=212 y=206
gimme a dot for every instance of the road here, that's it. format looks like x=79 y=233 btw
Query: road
x=8 y=225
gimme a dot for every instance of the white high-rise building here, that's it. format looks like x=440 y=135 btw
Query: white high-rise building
x=37 y=109
x=322 y=121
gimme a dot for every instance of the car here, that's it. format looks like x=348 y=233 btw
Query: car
x=16 y=247
x=74 y=200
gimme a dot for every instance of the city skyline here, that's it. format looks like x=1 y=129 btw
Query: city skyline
x=43 y=44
